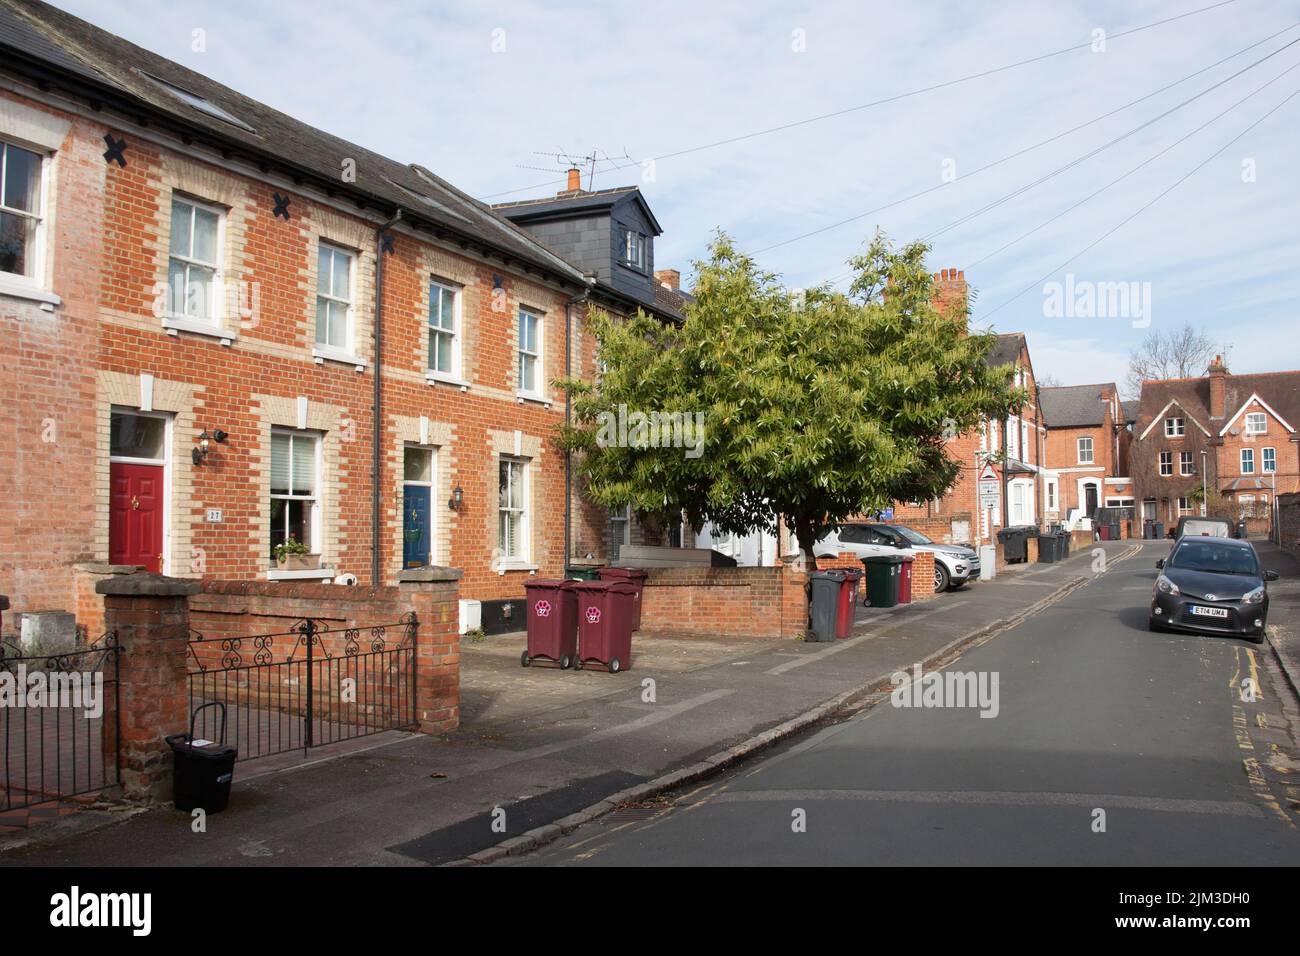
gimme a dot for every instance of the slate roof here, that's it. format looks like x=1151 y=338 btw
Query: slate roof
x=1074 y=406
x=1130 y=410
x=34 y=35
x=1006 y=350
x=575 y=204
x=1281 y=390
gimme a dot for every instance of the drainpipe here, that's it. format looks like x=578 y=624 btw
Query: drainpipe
x=568 y=414
x=378 y=405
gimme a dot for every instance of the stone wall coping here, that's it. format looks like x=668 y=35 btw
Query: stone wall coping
x=147 y=585
x=103 y=567
x=430 y=574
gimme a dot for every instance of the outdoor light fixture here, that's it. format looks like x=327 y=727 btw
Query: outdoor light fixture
x=200 y=455
x=457 y=496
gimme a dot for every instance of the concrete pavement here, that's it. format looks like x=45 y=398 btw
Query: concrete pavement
x=538 y=746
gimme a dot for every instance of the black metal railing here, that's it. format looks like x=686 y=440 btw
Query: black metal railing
x=59 y=723
x=307 y=686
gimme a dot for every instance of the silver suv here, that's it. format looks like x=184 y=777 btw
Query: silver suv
x=954 y=564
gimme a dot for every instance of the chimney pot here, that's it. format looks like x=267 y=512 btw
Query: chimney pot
x=575 y=180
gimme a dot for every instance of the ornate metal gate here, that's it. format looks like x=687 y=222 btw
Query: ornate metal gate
x=59 y=723
x=305 y=687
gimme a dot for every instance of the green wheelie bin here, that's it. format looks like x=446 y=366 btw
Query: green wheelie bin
x=884 y=573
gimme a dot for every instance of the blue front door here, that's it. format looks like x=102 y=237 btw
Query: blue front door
x=415 y=526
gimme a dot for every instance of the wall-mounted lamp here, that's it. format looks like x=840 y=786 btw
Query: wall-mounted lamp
x=457 y=496
x=200 y=455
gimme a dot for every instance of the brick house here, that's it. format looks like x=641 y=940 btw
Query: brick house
x=207 y=306
x=1237 y=428
x=1087 y=444
x=1010 y=452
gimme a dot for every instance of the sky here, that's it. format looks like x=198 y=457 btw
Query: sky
x=482 y=92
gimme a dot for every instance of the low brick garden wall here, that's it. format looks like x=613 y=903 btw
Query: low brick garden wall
x=725 y=602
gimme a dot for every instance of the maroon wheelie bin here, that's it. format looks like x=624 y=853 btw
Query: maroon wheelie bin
x=847 y=601
x=605 y=610
x=905 y=580
x=552 y=622
x=634 y=576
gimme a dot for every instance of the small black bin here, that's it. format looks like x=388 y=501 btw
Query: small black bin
x=203 y=771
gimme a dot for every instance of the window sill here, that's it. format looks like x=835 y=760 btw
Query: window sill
x=516 y=566
x=542 y=400
x=15 y=287
x=175 y=325
x=442 y=378
x=319 y=574
x=324 y=353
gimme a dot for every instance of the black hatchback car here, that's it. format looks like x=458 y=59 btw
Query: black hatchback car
x=1214 y=586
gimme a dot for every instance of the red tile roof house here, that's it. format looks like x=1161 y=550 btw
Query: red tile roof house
x=203 y=302
x=1087 y=448
x=1241 y=429
x=1011 y=450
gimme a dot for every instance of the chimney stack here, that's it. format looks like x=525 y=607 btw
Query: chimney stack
x=575 y=181
x=950 y=289
x=669 y=278
x=1218 y=373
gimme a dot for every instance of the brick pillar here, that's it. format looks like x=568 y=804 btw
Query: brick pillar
x=434 y=595
x=1032 y=551
x=923 y=576
x=794 y=597
x=89 y=604
x=150 y=614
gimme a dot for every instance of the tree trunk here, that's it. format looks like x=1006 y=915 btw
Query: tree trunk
x=804 y=533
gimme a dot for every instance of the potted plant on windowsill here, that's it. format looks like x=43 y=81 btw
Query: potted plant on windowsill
x=293 y=555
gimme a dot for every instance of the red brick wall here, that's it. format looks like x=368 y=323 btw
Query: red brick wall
x=47 y=365
x=725 y=602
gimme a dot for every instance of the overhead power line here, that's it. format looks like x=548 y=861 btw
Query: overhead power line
x=1146 y=162
x=1124 y=222
x=794 y=124
x=1075 y=162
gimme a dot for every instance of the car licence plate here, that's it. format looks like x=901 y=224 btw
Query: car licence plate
x=1209 y=611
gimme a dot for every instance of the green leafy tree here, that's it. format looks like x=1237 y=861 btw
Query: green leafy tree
x=815 y=405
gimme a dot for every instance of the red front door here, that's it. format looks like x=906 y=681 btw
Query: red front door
x=135 y=522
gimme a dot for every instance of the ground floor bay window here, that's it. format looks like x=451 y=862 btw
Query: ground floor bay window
x=295 y=500
x=512 y=507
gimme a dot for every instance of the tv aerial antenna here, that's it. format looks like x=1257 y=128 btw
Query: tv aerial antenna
x=596 y=161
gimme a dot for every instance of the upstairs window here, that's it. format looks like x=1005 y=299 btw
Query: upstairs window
x=444 y=344
x=1248 y=461
x=20 y=210
x=1270 y=460
x=1185 y=466
x=1256 y=423
x=1085 y=451
x=334 y=297
x=1166 y=463
x=632 y=249
x=1174 y=427
x=193 y=264
x=530 y=352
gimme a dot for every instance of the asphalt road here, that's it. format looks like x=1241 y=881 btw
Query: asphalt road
x=1094 y=714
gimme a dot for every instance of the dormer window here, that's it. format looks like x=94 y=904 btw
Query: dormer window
x=1174 y=427
x=632 y=249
